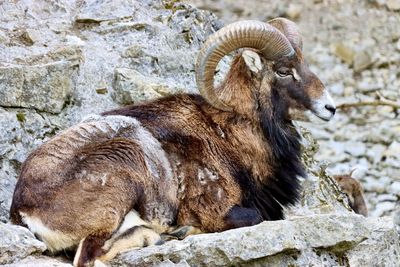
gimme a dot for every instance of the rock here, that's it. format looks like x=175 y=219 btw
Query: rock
x=381 y=249
x=393 y=150
x=247 y=244
x=17 y=243
x=337 y=89
x=362 y=60
x=132 y=87
x=97 y=11
x=294 y=11
x=39 y=261
x=7 y=185
x=393 y=5
x=373 y=185
x=344 y=52
x=395 y=188
x=45 y=87
x=376 y=152
x=356 y=149
x=383 y=207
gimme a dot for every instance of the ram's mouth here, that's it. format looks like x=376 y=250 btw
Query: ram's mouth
x=323 y=116
x=324 y=107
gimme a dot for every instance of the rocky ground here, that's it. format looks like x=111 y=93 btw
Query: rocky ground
x=61 y=60
x=354 y=47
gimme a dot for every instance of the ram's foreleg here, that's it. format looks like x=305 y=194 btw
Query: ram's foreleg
x=180 y=232
x=102 y=247
x=241 y=217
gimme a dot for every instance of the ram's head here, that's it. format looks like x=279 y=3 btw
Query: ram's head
x=270 y=67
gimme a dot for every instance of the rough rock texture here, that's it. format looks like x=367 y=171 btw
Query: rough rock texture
x=46 y=87
x=312 y=240
x=354 y=47
x=17 y=242
x=64 y=59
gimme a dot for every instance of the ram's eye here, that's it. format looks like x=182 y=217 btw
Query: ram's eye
x=283 y=73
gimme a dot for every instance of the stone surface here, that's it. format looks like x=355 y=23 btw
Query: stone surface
x=384 y=241
x=17 y=243
x=333 y=232
x=393 y=5
x=44 y=87
x=298 y=241
x=40 y=261
x=132 y=87
x=344 y=52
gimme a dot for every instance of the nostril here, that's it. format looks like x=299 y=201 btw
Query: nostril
x=330 y=108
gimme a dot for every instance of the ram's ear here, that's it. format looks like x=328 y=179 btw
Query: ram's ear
x=252 y=60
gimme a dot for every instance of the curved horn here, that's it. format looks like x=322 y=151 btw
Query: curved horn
x=290 y=30
x=251 y=34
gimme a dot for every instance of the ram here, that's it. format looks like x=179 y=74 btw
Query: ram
x=227 y=158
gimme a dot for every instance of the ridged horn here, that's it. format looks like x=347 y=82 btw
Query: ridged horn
x=243 y=34
x=289 y=29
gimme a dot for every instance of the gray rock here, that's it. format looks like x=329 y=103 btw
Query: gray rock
x=395 y=188
x=45 y=87
x=132 y=87
x=39 y=261
x=17 y=243
x=383 y=208
x=337 y=89
x=362 y=60
x=356 y=149
x=381 y=249
x=374 y=185
x=336 y=233
x=97 y=11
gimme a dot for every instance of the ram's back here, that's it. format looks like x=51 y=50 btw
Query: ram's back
x=88 y=177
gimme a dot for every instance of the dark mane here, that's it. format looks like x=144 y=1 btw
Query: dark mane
x=283 y=186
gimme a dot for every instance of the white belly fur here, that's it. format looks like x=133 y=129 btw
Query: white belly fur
x=54 y=240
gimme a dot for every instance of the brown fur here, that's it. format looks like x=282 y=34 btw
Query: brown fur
x=354 y=191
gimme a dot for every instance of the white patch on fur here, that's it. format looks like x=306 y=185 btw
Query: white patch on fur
x=296 y=76
x=201 y=177
x=103 y=179
x=130 y=128
x=131 y=219
x=54 y=240
x=319 y=109
x=212 y=176
x=204 y=175
x=252 y=60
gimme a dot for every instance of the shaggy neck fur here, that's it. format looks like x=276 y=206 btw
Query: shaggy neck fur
x=282 y=187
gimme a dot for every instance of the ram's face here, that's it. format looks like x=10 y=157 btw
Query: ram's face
x=302 y=88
